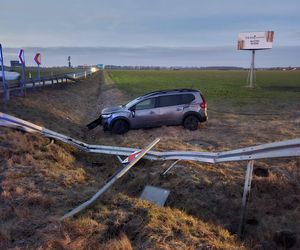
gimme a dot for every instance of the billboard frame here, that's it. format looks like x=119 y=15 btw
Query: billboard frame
x=269 y=36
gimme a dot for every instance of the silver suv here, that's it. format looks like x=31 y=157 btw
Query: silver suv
x=185 y=107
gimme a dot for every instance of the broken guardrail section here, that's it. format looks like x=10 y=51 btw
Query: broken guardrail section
x=286 y=148
x=112 y=180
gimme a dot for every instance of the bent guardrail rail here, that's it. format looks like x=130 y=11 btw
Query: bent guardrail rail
x=111 y=181
x=286 y=148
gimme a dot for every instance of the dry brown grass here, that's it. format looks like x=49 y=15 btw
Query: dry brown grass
x=40 y=182
x=128 y=223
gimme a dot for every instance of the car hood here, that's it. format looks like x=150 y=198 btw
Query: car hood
x=114 y=109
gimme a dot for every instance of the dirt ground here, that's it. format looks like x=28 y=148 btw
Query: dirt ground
x=208 y=193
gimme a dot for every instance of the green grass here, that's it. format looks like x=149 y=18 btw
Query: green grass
x=219 y=87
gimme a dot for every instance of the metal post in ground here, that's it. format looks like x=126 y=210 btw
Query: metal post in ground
x=39 y=74
x=23 y=89
x=4 y=82
x=23 y=81
x=246 y=194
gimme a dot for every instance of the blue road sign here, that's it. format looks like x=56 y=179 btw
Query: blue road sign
x=100 y=66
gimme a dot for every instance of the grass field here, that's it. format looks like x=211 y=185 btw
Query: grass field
x=225 y=88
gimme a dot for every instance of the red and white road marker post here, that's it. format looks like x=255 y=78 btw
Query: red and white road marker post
x=22 y=61
x=38 y=60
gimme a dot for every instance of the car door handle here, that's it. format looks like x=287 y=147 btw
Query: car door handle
x=179 y=109
x=152 y=112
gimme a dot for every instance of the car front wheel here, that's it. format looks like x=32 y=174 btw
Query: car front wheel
x=191 y=122
x=120 y=127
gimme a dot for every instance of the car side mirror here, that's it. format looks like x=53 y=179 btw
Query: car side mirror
x=132 y=109
x=133 y=113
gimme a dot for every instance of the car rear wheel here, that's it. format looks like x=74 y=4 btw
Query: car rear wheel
x=191 y=122
x=120 y=127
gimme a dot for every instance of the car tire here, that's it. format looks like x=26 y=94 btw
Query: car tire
x=120 y=127
x=191 y=122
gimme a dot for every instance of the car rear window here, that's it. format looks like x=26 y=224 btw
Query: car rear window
x=187 y=98
x=172 y=100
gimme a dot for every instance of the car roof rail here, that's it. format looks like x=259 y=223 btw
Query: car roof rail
x=168 y=91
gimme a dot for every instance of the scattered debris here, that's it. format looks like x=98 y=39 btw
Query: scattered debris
x=155 y=194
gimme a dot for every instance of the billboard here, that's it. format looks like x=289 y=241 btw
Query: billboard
x=255 y=40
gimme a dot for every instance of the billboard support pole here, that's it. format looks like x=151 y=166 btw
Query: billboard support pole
x=252 y=75
x=4 y=82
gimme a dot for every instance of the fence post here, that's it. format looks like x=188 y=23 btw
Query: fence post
x=246 y=194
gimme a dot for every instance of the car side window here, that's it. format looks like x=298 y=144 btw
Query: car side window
x=187 y=98
x=169 y=100
x=146 y=104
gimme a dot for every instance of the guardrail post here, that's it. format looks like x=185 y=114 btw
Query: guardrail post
x=246 y=194
x=84 y=74
x=23 y=87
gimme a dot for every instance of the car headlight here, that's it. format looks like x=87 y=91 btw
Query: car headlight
x=106 y=116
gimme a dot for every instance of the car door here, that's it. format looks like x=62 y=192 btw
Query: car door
x=145 y=114
x=171 y=109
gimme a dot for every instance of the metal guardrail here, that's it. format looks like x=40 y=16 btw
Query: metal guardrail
x=288 y=148
x=45 y=81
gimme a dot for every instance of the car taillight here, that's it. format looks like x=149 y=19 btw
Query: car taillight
x=203 y=105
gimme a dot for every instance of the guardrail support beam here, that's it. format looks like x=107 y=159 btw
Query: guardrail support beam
x=169 y=168
x=246 y=194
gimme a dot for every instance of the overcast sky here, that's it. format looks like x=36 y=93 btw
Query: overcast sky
x=140 y=23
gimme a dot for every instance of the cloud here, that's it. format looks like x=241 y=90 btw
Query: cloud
x=140 y=22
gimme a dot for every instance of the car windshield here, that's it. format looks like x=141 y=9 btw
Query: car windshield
x=132 y=103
